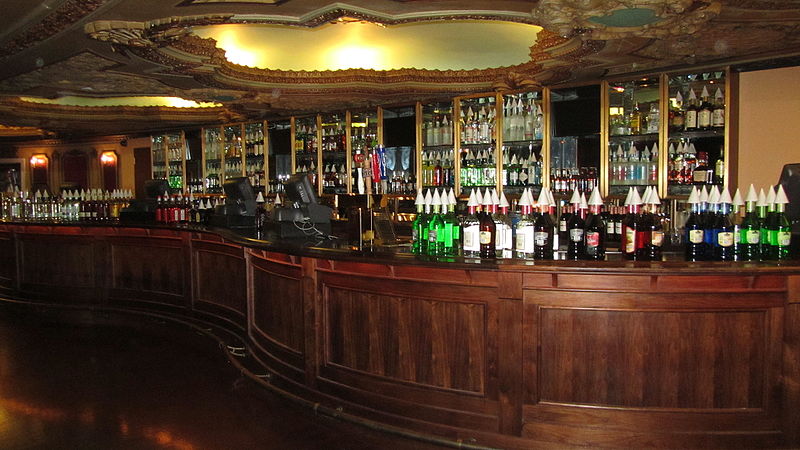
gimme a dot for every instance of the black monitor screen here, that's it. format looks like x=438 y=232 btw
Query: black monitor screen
x=300 y=190
x=790 y=179
x=239 y=191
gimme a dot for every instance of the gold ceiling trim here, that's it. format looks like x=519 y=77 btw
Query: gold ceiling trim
x=673 y=17
x=59 y=20
x=147 y=113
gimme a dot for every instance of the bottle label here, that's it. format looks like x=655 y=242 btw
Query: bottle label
x=525 y=240
x=618 y=228
x=486 y=237
x=691 y=119
x=725 y=238
x=737 y=235
x=784 y=238
x=699 y=176
x=752 y=237
x=593 y=239
x=696 y=236
x=432 y=235
x=610 y=227
x=471 y=243
x=540 y=238
x=562 y=226
x=414 y=234
x=499 y=237
x=704 y=118
x=576 y=235
x=657 y=238
x=508 y=237
x=630 y=240
x=718 y=118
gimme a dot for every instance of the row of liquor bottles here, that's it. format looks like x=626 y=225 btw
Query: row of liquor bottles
x=634 y=166
x=689 y=166
x=92 y=205
x=722 y=228
x=698 y=114
x=716 y=229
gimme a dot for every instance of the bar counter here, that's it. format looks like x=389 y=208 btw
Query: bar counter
x=505 y=354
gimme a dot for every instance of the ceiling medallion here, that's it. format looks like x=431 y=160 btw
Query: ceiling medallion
x=616 y=19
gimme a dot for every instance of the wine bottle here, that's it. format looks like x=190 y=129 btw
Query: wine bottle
x=596 y=228
x=704 y=112
x=690 y=116
x=419 y=245
x=488 y=230
x=543 y=229
x=471 y=229
x=780 y=234
x=724 y=230
x=695 y=232
x=524 y=245
x=750 y=230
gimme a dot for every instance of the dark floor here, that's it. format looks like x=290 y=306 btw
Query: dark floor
x=152 y=387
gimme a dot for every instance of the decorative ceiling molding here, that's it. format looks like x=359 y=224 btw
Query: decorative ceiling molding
x=60 y=19
x=661 y=19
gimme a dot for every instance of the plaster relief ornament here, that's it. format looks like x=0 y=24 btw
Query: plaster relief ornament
x=617 y=19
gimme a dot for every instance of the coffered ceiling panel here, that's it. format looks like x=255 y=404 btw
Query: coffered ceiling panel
x=270 y=58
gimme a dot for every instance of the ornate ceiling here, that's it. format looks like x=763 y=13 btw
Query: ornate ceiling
x=119 y=48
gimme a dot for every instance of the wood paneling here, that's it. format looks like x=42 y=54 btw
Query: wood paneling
x=57 y=262
x=429 y=342
x=220 y=276
x=8 y=269
x=700 y=360
x=143 y=270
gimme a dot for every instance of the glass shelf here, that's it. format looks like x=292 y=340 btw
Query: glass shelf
x=212 y=151
x=232 y=143
x=279 y=150
x=523 y=128
x=363 y=143
x=696 y=139
x=306 y=144
x=438 y=155
x=334 y=153
x=254 y=154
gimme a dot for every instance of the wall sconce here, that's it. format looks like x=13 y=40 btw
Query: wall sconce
x=108 y=159
x=39 y=161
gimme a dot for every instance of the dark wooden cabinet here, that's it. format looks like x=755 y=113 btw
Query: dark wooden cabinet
x=568 y=354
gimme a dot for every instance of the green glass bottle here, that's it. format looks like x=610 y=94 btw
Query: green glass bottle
x=763 y=231
x=436 y=228
x=418 y=243
x=749 y=248
x=780 y=233
x=452 y=228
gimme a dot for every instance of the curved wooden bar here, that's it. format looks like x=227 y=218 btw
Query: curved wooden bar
x=509 y=355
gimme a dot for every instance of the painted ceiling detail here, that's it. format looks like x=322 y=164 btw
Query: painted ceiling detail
x=120 y=48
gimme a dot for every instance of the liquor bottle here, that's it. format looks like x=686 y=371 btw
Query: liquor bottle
x=676 y=114
x=690 y=116
x=566 y=214
x=768 y=208
x=544 y=229
x=504 y=232
x=436 y=227
x=488 y=230
x=260 y=215
x=655 y=244
x=780 y=234
x=160 y=209
x=470 y=227
x=703 y=173
x=704 y=112
x=695 y=232
x=452 y=227
x=718 y=111
x=723 y=229
x=750 y=230
x=576 y=245
x=596 y=228
x=628 y=244
x=524 y=230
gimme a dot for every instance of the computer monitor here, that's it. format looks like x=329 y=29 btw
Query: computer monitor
x=790 y=179
x=154 y=188
x=300 y=190
x=240 y=198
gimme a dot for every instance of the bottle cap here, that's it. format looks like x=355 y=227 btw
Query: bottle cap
x=552 y=200
x=595 y=199
x=487 y=198
x=472 y=202
x=705 y=92
x=725 y=197
x=678 y=97
x=771 y=195
x=692 y=95
x=524 y=199
x=503 y=201
x=478 y=197
x=703 y=195
x=495 y=198
x=718 y=94
x=713 y=196
x=671 y=148
x=629 y=196
x=259 y=198
x=751 y=194
x=420 y=200
x=646 y=196
x=451 y=197
x=737 y=198
x=428 y=198
x=436 y=200
x=278 y=199
x=544 y=200
x=576 y=198
x=654 y=198
x=635 y=198
x=762 y=198
x=780 y=197
x=583 y=204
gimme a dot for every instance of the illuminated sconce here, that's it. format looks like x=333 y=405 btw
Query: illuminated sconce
x=108 y=159
x=39 y=161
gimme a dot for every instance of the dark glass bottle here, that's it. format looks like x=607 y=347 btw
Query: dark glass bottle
x=724 y=232
x=695 y=235
x=655 y=243
x=576 y=246
x=543 y=232
x=595 y=235
x=487 y=235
